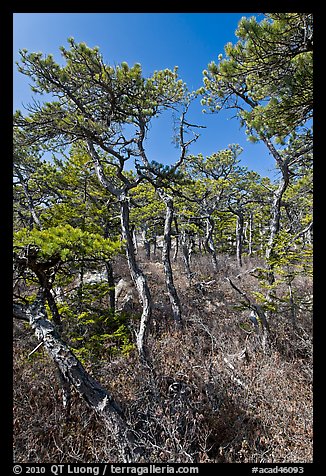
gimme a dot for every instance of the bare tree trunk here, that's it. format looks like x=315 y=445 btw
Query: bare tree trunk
x=172 y=292
x=251 y=220
x=275 y=223
x=46 y=285
x=200 y=244
x=185 y=254
x=308 y=237
x=274 y=227
x=134 y=239
x=154 y=244
x=239 y=237
x=276 y=216
x=176 y=250
x=147 y=246
x=73 y=373
x=209 y=242
x=139 y=280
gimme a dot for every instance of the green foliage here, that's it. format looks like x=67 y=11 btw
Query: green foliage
x=270 y=70
x=147 y=206
x=266 y=303
x=289 y=256
x=66 y=243
x=99 y=334
x=112 y=96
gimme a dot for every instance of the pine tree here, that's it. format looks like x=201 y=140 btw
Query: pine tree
x=267 y=77
x=108 y=109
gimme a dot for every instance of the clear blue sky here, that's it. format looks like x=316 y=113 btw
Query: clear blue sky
x=156 y=41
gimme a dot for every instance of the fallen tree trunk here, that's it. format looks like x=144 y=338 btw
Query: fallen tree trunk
x=72 y=373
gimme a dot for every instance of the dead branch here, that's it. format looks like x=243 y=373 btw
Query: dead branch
x=252 y=305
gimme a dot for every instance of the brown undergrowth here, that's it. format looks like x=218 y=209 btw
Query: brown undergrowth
x=214 y=395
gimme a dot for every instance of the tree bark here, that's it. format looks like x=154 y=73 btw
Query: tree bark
x=30 y=202
x=47 y=286
x=134 y=239
x=275 y=224
x=276 y=215
x=209 y=242
x=276 y=205
x=139 y=280
x=185 y=254
x=147 y=246
x=73 y=373
x=251 y=220
x=172 y=292
x=239 y=237
x=154 y=243
x=176 y=250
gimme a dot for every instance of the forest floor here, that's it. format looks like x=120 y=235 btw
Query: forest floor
x=216 y=394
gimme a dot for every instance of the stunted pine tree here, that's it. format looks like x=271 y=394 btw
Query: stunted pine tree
x=214 y=175
x=267 y=77
x=109 y=110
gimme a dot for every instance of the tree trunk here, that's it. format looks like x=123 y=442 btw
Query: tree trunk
x=176 y=250
x=209 y=242
x=276 y=205
x=134 y=239
x=185 y=254
x=276 y=216
x=147 y=246
x=137 y=276
x=275 y=222
x=200 y=244
x=46 y=285
x=251 y=220
x=73 y=373
x=30 y=202
x=154 y=243
x=172 y=292
x=239 y=237
x=139 y=280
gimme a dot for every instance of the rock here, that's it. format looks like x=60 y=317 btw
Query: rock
x=94 y=277
x=125 y=295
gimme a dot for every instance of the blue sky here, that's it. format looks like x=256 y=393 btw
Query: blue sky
x=156 y=41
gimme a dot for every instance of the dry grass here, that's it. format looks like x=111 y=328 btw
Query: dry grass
x=203 y=402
